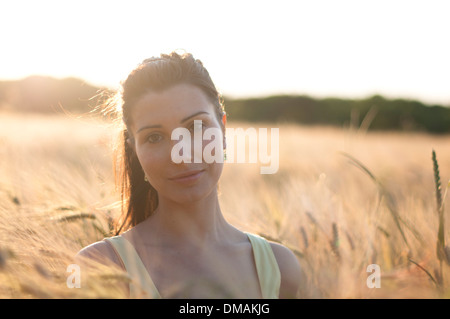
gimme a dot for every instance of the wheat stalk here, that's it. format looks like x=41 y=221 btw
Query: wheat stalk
x=384 y=193
x=440 y=244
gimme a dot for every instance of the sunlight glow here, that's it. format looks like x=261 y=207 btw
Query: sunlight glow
x=251 y=48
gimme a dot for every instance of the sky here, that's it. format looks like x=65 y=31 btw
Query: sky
x=321 y=48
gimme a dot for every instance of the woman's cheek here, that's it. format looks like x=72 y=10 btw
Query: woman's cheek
x=150 y=161
x=213 y=146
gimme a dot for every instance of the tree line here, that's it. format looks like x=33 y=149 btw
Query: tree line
x=372 y=113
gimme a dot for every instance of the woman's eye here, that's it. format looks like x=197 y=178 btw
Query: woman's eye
x=154 y=138
x=196 y=125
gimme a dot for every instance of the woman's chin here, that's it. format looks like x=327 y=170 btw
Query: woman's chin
x=192 y=195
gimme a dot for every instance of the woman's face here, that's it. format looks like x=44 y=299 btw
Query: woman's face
x=154 y=117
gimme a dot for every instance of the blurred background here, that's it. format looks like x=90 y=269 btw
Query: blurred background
x=301 y=61
x=360 y=92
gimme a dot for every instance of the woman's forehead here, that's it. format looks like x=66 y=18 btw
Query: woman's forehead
x=172 y=104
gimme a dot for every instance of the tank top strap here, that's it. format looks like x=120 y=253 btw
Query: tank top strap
x=141 y=285
x=266 y=266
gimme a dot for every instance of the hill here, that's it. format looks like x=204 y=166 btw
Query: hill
x=40 y=94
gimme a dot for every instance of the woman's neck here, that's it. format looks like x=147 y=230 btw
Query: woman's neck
x=196 y=224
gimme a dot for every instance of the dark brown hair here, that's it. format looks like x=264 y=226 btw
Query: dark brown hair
x=139 y=199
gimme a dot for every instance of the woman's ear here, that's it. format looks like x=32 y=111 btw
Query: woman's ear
x=130 y=143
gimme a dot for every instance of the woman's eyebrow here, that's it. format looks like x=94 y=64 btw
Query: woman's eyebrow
x=147 y=127
x=183 y=120
x=191 y=116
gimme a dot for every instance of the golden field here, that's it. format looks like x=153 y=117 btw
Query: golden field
x=57 y=195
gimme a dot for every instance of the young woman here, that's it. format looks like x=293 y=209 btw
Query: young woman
x=177 y=243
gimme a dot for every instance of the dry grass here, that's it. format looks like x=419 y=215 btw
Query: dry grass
x=56 y=196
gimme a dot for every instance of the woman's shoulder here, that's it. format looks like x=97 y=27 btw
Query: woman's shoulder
x=290 y=270
x=101 y=252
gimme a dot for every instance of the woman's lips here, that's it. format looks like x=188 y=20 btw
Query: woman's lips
x=187 y=176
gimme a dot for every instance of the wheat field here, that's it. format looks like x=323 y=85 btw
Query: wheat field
x=57 y=195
